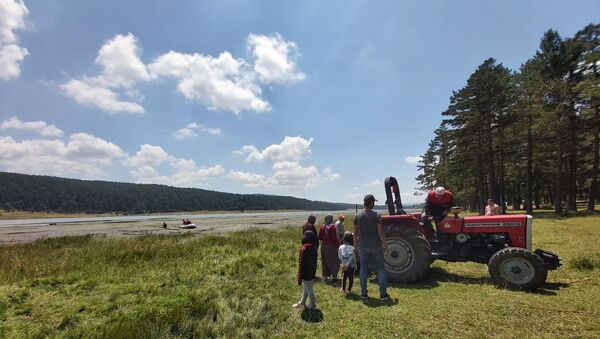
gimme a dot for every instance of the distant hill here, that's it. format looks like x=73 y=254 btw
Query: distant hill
x=45 y=193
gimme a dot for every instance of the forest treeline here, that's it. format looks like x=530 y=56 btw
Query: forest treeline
x=528 y=137
x=51 y=194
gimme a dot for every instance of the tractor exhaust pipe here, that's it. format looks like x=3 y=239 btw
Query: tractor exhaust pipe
x=394 y=204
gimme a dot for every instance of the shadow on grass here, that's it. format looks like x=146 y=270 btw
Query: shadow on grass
x=369 y=302
x=333 y=283
x=433 y=277
x=549 y=288
x=312 y=316
x=436 y=275
x=353 y=297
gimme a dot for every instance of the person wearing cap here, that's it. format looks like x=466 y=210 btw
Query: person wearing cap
x=310 y=226
x=369 y=241
x=339 y=228
x=437 y=205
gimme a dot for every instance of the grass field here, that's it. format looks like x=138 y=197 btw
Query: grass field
x=243 y=284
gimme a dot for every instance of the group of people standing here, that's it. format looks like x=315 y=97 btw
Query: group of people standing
x=367 y=242
x=340 y=247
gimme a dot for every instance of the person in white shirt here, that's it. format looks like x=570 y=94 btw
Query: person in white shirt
x=339 y=228
x=491 y=208
x=348 y=260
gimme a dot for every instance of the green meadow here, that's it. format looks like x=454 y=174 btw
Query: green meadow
x=243 y=285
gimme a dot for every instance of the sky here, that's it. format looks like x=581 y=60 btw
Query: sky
x=314 y=99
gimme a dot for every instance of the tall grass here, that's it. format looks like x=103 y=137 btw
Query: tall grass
x=242 y=285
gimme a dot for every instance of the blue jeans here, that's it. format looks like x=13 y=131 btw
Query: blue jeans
x=369 y=256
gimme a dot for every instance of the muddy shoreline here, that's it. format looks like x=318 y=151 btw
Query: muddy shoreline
x=29 y=233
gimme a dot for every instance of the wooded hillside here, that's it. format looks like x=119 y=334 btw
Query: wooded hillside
x=44 y=193
x=527 y=137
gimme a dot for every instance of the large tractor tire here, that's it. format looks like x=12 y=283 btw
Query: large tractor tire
x=517 y=269
x=409 y=255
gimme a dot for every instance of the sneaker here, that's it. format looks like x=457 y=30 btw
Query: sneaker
x=312 y=307
x=385 y=297
x=364 y=297
x=297 y=305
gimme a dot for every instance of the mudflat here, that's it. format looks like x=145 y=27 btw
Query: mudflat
x=28 y=233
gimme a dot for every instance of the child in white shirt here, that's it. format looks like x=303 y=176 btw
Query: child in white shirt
x=348 y=259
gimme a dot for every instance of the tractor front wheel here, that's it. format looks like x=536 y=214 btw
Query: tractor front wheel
x=517 y=269
x=409 y=256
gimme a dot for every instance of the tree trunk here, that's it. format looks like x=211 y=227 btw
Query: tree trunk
x=493 y=184
x=572 y=177
x=501 y=165
x=517 y=205
x=536 y=197
x=480 y=177
x=529 y=192
x=559 y=167
x=591 y=205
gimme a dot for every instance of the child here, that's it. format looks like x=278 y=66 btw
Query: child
x=307 y=268
x=346 y=255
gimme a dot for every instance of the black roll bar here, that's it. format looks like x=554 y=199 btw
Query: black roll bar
x=394 y=205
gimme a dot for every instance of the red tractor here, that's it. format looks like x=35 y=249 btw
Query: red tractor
x=503 y=242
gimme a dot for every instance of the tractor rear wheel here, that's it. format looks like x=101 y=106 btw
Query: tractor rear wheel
x=517 y=269
x=409 y=255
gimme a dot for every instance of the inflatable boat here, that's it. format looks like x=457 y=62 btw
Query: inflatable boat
x=187 y=226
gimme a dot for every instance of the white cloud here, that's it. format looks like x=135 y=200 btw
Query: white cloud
x=229 y=84
x=221 y=83
x=84 y=155
x=185 y=172
x=34 y=126
x=10 y=61
x=192 y=177
x=329 y=175
x=413 y=159
x=189 y=131
x=182 y=177
x=287 y=174
x=212 y=131
x=148 y=155
x=248 y=179
x=275 y=59
x=144 y=172
x=88 y=94
x=290 y=149
x=185 y=133
x=86 y=146
x=121 y=69
x=120 y=62
x=287 y=171
x=292 y=174
x=12 y=18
